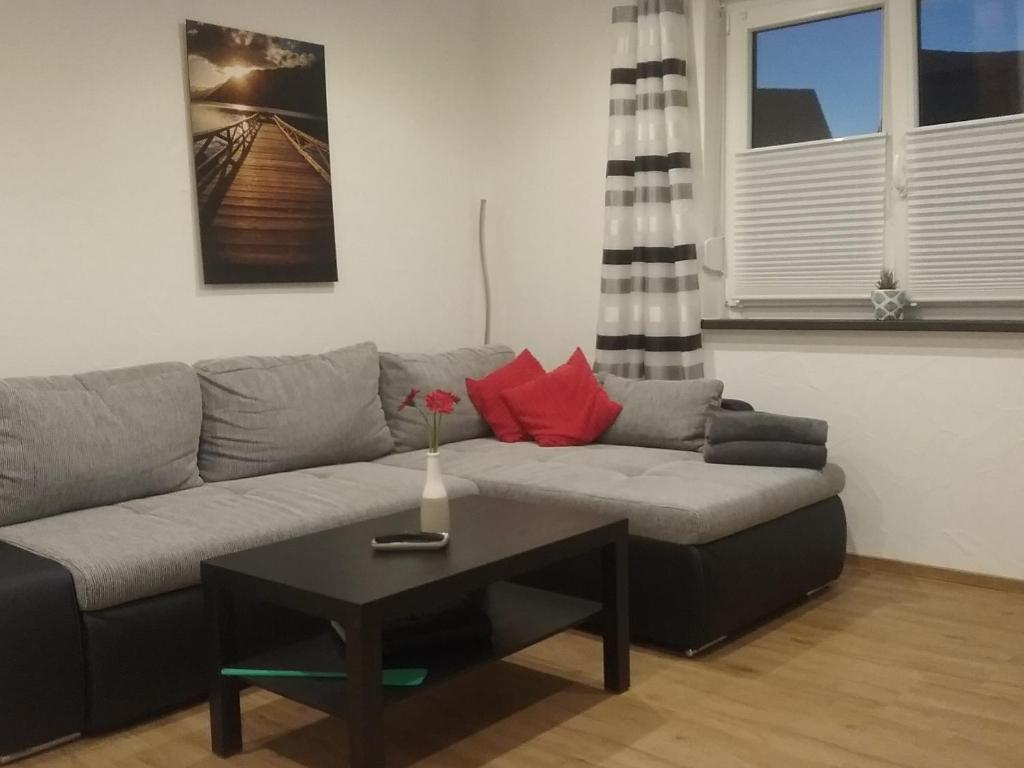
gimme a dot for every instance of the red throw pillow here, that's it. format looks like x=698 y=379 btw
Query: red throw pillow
x=486 y=395
x=564 y=407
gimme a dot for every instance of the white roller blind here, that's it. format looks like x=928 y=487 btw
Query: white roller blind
x=809 y=220
x=966 y=210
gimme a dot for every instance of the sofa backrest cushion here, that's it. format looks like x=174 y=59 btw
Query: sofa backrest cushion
x=400 y=373
x=71 y=442
x=263 y=415
x=661 y=414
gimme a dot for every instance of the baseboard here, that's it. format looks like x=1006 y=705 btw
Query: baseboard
x=884 y=565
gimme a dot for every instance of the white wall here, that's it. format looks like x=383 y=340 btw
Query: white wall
x=99 y=263
x=928 y=427
x=546 y=135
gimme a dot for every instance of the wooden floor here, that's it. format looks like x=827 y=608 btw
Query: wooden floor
x=884 y=670
x=277 y=209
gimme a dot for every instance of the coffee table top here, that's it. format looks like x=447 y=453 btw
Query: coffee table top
x=336 y=573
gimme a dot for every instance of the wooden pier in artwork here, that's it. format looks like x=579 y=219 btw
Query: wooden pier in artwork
x=264 y=191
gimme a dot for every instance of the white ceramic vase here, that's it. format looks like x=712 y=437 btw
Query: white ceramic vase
x=434 y=514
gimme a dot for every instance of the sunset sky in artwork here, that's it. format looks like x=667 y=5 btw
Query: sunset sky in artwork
x=216 y=54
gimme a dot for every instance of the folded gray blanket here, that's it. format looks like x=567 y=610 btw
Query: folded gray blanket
x=767 y=453
x=754 y=425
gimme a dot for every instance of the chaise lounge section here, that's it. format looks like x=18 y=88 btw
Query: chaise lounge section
x=115 y=486
x=715 y=547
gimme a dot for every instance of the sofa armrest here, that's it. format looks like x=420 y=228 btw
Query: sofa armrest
x=730 y=404
x=41 y=659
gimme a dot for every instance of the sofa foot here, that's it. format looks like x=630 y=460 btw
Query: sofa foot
x=691 y=652
x=822 y=588
x=6 y=759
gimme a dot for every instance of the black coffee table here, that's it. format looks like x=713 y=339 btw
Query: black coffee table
x=336 y=575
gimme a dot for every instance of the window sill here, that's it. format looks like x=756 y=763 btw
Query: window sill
x=949 y=326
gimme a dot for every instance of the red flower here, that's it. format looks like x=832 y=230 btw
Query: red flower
x=440 y=401
x=410 y=399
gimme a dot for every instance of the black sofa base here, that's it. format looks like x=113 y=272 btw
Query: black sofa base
x=150 y=656
x=133 y=661
x=689 y=597
x=41 y=654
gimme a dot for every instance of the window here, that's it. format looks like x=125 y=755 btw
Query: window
x=864 y=135
x=970 y=59
x=804 y=91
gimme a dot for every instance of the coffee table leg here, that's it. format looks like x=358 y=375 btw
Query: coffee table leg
x=225 y=706
x=364 y=664
x=614 y=567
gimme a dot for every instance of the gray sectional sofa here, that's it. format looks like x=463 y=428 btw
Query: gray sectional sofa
x=114 y=486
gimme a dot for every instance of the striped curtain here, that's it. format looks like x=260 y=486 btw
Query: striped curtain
x=649 y=323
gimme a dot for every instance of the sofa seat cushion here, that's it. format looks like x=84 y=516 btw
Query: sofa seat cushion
x=151 y=546
x=666 y=494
